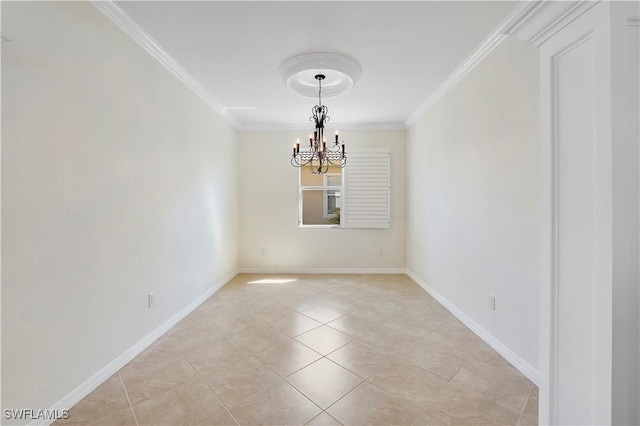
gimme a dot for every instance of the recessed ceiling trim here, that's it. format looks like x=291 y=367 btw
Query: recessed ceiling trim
x=129 y=26
x=225 y=109
x=137 y=33
x=305 y=127
x=340 y=73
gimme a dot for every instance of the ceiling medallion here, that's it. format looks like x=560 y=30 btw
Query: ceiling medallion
x=340 y=74
x=335 y=74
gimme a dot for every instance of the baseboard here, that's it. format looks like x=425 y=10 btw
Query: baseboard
x=98 y=378
x=322 y=271
x=524 y=367
x=110 y=369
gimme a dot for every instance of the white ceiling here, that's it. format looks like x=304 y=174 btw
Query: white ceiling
x=233 y=50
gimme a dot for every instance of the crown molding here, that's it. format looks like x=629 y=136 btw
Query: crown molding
x=547 y=18
x=531 y=21
x=137 y=33
x=487 y=46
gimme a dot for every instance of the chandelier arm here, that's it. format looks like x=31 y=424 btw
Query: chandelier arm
x=320 y=157
x=299 y=161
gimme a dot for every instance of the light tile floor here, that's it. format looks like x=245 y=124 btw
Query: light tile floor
x=318 y=350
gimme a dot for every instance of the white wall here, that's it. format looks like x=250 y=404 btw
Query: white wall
x=269 y=209
x=473 y=197
x=116 y=181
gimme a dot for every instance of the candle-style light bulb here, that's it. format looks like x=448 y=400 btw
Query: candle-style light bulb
x=336 y=136
x=297 y=145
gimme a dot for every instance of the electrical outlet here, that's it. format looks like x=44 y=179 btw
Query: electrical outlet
x=492 y=302
x=152 y=299
x=380 y=252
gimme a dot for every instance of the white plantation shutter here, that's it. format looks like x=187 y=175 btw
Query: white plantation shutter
x=368 y=189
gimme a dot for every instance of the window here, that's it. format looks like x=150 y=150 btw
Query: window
x=320 y=198
x=358 y=196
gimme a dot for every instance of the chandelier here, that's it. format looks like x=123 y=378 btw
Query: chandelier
x=319 y=157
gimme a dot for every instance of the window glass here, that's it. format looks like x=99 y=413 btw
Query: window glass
x=309 y=179
x=331 y=203
x=320 y=197
x=313 y=208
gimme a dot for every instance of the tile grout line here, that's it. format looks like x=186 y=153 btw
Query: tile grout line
x=282 y=381
x=394 y=355
x=97 y=421
x=328 y=353
x=325 y=410
x=275 y=344
x=322 y=410
x=460 y=368
x=526 y=401
x=448 y=380
x=410 y=403
x=421 y=410
x=464 y=364
x=266 y=366
x=430 y=372
x=204 y=382
x=365 y=379
x=321 y=413
x=343 y=397
x=436 y=397
x=343 y=366
x=133 y=413
x=400 y=356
